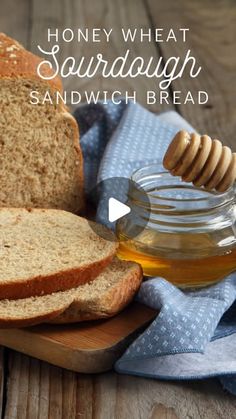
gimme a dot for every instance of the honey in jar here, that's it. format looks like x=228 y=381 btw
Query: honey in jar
x=185 y=234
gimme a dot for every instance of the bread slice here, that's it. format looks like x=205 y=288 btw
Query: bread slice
x=43 y=251
x=40 y=158
x=105 y=296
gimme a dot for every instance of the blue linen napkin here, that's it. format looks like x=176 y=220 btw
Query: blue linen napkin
x=193 y=336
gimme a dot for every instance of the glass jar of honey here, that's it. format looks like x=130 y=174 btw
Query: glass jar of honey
x=188 y=235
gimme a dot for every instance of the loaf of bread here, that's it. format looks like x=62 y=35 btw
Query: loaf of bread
x=54 y=267
x=105 y=296
x=48 y=250
x=40 y=157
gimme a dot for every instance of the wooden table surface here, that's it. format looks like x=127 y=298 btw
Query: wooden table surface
x=33 y=389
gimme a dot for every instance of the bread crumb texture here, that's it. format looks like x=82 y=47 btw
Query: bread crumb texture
x=106 y=295
x=45 y=244
x=40 y=157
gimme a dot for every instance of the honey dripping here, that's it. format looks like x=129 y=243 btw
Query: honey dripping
x=196 y=259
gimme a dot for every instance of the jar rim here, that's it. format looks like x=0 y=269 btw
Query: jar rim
x=162 y=189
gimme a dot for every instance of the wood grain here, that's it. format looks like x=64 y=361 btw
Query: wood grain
x=36 y=389
x=212 y=41
x=2 y=380
x=40 y=390
x=86 y=347
x=15 y=19
x=91 y=14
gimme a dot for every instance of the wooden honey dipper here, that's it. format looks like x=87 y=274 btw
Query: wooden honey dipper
x=201 y=160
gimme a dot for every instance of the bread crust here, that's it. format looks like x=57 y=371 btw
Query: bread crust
x=59 y=281
x=80 y=170
x=110 y=303
x=18 y=63
x=16 y=323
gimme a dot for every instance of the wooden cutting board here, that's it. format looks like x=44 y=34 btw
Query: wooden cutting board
x=87 y=347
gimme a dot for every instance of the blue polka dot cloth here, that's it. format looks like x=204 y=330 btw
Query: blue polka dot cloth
x=193 y=336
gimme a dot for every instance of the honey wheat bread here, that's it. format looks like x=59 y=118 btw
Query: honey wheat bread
x=40 y=157
x=105 y=296
x=43 y=251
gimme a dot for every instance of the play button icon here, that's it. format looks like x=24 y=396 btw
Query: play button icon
x=117 y=210
x=119 y=204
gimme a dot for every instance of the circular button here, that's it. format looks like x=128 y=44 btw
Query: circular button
x=121 y=205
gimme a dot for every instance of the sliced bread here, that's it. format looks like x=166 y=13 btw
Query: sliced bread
x=43 y=251
x=40 y=157
x=105 y=296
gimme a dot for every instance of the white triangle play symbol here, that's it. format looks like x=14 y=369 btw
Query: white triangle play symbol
x=116 y=209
